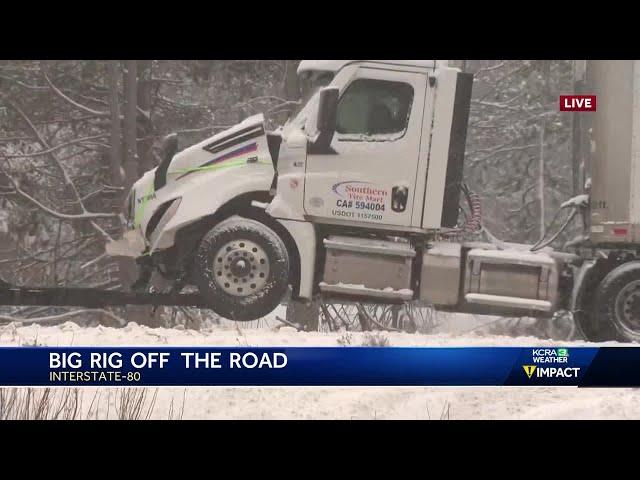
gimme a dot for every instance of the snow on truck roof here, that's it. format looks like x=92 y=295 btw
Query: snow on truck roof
x=335 y=65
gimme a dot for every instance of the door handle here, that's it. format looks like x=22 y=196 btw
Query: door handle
x=399 y=196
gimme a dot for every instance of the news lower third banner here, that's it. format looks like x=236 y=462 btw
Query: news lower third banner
x=325 y=366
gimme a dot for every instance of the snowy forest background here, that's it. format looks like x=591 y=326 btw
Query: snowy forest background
x=74 y=135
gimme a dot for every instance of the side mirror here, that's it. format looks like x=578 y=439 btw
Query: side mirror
x=327 y=117
x=168 y=149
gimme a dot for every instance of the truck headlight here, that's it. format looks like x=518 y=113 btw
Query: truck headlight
x=160 y=219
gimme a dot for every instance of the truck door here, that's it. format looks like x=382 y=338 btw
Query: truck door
x=369 y=173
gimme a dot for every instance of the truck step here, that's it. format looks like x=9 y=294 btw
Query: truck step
x=362 y=291
x=513 y=302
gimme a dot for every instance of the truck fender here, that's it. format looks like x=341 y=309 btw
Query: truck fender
x=580 y=284
x=304 y=236
x=582 y=280
x=201 y=199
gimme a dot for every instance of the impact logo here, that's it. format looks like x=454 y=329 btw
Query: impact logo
x=551 y=372
x=550 y=355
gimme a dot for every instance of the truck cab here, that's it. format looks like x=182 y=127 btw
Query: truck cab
x=355 y=198
x=366 y=163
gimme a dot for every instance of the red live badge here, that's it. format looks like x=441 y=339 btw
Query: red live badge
x=577 y=103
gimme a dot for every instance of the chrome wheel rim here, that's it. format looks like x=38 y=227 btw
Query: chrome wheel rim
x=241 y=268
x=627 y=307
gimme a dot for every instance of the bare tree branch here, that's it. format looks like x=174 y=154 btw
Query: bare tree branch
x=496 y=105
x=22 y=84
x=79 y=106
x=44 y=143
x=57 y=318
x=63 y=216
x=204 y=129
x=57 y=147
x=67 y=178
x=489 y=69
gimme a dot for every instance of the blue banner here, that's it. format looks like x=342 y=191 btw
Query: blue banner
x=329 y=366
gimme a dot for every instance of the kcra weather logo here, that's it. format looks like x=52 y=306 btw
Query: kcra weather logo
x=547 y=356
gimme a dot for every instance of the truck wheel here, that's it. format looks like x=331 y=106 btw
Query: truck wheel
x=242 y=269
x=617 y=301
x=304 y=314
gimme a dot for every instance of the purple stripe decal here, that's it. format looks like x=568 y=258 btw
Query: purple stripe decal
x=252 y=147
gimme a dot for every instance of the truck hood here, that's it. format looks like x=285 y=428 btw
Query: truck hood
x=237 y=145
x=202 y=167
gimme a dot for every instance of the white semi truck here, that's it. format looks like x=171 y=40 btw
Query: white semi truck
x=356 y=198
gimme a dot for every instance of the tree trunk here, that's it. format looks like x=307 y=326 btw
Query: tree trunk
x=541 y=181
x=578 y=129
x=291 y=80
x=145 y=130
x=130 y=125
x=146 y=162
x=128 y=268
x=290 y=86
x=116 y=126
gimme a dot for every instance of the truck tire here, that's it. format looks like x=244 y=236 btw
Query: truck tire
x=242 y=269
x=305 y=314
x=617 y=302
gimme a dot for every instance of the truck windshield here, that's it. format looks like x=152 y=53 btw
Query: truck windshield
x=308 y=85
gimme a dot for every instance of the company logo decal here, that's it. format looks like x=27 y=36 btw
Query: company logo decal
x=359 y=200
x=357 y=188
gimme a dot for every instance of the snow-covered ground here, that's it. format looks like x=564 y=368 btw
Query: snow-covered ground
x=334 y=403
